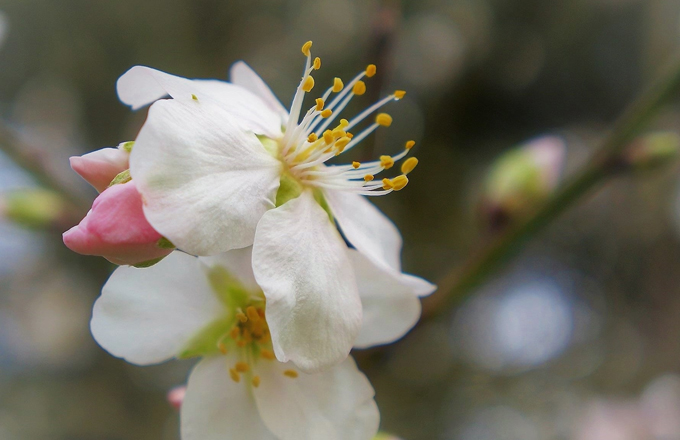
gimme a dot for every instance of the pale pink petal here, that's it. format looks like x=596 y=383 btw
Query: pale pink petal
x=101 y=166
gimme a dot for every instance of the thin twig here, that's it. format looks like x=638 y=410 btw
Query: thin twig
x=459 y=282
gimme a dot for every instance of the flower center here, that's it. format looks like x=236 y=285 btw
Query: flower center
x=309 y=143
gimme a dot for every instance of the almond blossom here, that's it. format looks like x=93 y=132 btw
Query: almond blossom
x=223 y=166
x=212 y=307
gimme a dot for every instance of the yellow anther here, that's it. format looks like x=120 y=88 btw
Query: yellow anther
x=319 y=104
x=399 y=182
x=387 y=184
x=241 y=317
x=222 y=348
x=194 y=97
x=344 y=123
x=291 y=373
x=234 y=333
x=370 y=70
x=368 y=178
x=267 y=354
x=326 y=113
x=359 y=88
x=312 y=138
x=338 y=133
x=308 y=85
x=399 y=94
x=256 y=381
x=241 y=343
x=317 y=63
x=341 y=143
x=337 y=85
x=383 y=119
x=409 y=165
x=234 y=375
x=386 y=162
x=241 y=367
x=356 y=165
x=328 y=137
x=306 y=47
x=349 y=135
x=252 y=313
x=410 y=144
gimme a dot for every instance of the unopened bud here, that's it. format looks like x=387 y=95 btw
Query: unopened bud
x=652 y=150
x=521 y=179
x=33 y=208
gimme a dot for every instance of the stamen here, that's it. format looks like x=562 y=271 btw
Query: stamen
x=326 y=113
x=308 y=85
x=370 y=70
x=306 y=47
x=337 y=85
x=241 y=317
x=328 y=137
x=399 y=182
x=359 y=88
x=368 y=178
x=234 y=375
x=319 y=104
x=386 y=162
x=383 y=119
x=387 y=184
x=409 y=165
x=312 y=138
x=267 y=354
x=291 y=373
x=222 y=348
x=341 y=143
x=356 y=165
x=410 y=144
x=256 y=381
x=252 y=314
x=344 y=123
x=317 y=63
x=399 y=94
x=242 y=367
x=234 y=333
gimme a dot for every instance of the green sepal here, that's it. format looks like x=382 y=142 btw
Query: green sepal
x=127 y=146
x=289 y=189
x=122 y=177
x=270 y=145
x=164 y=243
x=321 y=200
x=148 y=263
x=205 y=342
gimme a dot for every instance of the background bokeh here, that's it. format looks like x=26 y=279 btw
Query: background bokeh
x=577 y=339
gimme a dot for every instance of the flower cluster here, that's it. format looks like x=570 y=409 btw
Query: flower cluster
x=284 y=265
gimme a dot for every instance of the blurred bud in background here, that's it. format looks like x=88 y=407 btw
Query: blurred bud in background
x=33 y=208
x=176 y=396
x=652 y=151
x=521 y=179
x=385 y=436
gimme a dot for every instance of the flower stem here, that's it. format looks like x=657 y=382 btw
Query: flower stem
x=460 y=281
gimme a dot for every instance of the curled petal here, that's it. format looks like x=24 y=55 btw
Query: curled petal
x=301 y=263
x=116 y=229
x=206 y=182
x=244 y=76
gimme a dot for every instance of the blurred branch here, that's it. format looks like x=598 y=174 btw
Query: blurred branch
x=606 y=162
x=32 y=161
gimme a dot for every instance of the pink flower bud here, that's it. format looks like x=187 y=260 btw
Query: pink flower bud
x=176 y=395
x=116 y=229
x=101 y=166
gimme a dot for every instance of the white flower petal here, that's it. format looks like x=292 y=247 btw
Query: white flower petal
x=204 y=181
x=244 y=76
x=390 y=305
x=336 y=404
x=147 y=315
x=301 y=263
x=366 y=228
x=217 y=408
x=239 y=263
x=141 y=86
x=418 y=285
